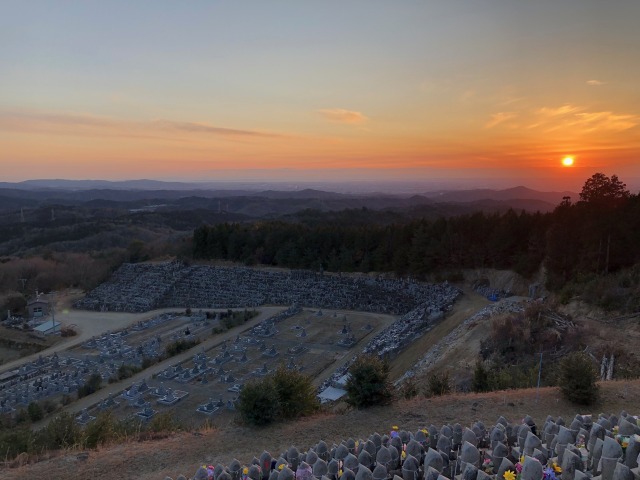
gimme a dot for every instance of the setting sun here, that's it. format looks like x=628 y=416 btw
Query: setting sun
x=567 y=161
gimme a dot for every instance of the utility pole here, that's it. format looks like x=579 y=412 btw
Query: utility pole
x=539 y=375
x=52 y=310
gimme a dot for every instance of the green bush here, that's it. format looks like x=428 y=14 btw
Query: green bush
x=163 y=423
x=61 y=432
x=438 y=384
x=125 y=371
x=258 y=402
x=14 y=441
x=578 y=379
x=480 y=381
x=179 y=346
x=296 y=394
x=368 y=382
x=92 y=385
x=102 y=430
x=35 y=412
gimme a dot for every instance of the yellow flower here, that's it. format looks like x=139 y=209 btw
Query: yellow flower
x=404 y=455
x=245 y=470
x=509 y=475
x=395 y=427
x=557 y=468
x=281 y=466
x=522 y=460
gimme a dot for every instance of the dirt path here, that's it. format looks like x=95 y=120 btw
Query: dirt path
x=87 y=324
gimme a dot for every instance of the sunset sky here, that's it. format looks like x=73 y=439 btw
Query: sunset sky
x=331 y=90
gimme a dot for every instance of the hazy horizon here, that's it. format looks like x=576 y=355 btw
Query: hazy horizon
x=497 y=93
x=399 y=186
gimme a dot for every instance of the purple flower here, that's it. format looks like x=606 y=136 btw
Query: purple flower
x=549 y=474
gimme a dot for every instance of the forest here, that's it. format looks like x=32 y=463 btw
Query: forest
x=595 y=235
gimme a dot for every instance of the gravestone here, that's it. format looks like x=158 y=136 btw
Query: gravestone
x=565 y=437
x=570 y=463
x=341 y=452
x=531 y=469
x=364 y=473
x=531 y=443
x=499 y=452
x=632 y=452
x=622 y=472
x=433 y=459
x=469 y=454
x=611 y=453
x=364 y=458
x=320 y=468
x=470 y=437
x=496 y=436
x=470 y=472
x=410 y=468
x=504 y=466
x=351 y=462
x=594 y=465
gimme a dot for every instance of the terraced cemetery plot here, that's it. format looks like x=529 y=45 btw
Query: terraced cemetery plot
x=310 y=341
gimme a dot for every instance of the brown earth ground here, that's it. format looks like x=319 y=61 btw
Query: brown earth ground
x=184 y=452
x=467 y=305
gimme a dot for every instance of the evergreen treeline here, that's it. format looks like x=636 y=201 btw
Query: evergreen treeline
x=598 y=234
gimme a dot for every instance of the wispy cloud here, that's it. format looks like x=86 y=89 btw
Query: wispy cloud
x=595 y=83
x=341 y=115
x=606 y=121
x=574 y=116
x=498 y=118
x=194 y=127
x=558 y=111
x=91 y=125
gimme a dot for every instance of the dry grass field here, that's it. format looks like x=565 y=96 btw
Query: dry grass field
x=184 y=451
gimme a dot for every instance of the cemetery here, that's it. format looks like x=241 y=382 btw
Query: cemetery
x=312 y=341
x=606 y=447
x=344 y=316
x=143 y=287
x=208 y=384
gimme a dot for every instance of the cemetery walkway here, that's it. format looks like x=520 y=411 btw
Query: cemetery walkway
x=88 y=401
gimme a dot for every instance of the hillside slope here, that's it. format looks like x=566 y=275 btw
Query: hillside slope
x=182 y=453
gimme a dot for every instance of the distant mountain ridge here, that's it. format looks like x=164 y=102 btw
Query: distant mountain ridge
x=514 y=193
x=267 y=202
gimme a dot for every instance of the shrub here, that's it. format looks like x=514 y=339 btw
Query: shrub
x=92 y=385
x=127 y=371
x=296 y=393
x=163 y=423
x=409 y=389
x=258 y=402
x=61 y=432
x=14 y=441
x=578 y=379
x=101 y=431
x=480 y=378
x=438 y=384
x=35 y=412
x=179 y=346
x=368 y=382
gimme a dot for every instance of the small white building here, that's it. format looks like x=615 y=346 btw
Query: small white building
x=47 y=328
